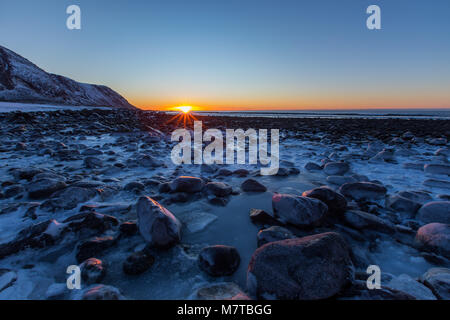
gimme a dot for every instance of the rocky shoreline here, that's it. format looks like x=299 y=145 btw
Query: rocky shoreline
x=97 y=189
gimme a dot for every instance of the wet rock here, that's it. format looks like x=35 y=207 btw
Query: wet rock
x=35 y=236
x=69 y=198
x=241 y=172
x=336 y=168
x=157 y=225
x=386 y=155
x=93 y=247
x=13 y=191
x=297 y=210
x=138 y=263
x=251 y=185
x=335 y=201
x=187 y=184
x=147 y=161
x=400 y=204
x=274 y=233
x=259 y=216
x=434 y=237
x=442 y=169
x=363 y=191
x=438 y=280
x=340 y=180
x=219 y=189
x=128 y=228
x=27 y=173
x=90 y=220
x=7 y=278
x=224 y=173
x=442 y=152
x=437 y=141
x=218 y=291
x=412 y=287
x=102 y=292
x=359 y=291
x=91 y=152
x=208 y=168
x=416 y=196
x=361 y=220
x=219 y=260
x=435 y=211
x=311 y=166
x=436 y=183
x=92 y=271
x=134 y=186
x=93 y=162
x=313 y=267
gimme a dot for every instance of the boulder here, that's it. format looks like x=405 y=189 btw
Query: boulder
x=93 y=247
x=251 y=185
x=158 y=226
x=313 y=267
x=435 y=211
x=442 y=169
x=311 y=166
x=92 y=271
x=434 y=237
x=102 y=292
x=361 y=191
x=138 y=262
x=335 y=201
x=259 y=216
x=297 y=210
x=438 y=280
x=274 y=233
x=412 y=287
x=44 y=187
x=336 y=168
x=219 y=189
x=187 y=184
x=362 y=220
x=404 y=205
x=219 y=260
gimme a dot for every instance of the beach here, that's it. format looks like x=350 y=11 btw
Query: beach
x=78 y=185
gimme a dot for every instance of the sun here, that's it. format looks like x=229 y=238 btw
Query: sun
x=185 y=109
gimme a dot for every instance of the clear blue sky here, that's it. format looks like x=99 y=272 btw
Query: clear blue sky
x=243 y=53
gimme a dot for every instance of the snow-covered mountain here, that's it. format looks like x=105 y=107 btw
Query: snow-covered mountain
x=23 y=81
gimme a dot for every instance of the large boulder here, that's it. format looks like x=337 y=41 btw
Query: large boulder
x=435 y=211
x=336 y=168
x=362 y=191
x=219 y=260
x=435 y=237
x=158 y=226
x=438 y=280
x=313 y=267
x=187 y=184
x=335 y=201
x=297 y=210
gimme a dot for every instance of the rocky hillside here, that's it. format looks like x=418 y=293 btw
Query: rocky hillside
x=23 y=81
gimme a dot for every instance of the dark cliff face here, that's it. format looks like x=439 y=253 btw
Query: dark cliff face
x=23 y=81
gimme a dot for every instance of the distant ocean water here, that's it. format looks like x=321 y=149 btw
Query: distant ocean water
x=340 y=114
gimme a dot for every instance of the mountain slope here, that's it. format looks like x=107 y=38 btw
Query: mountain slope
x=23 y=81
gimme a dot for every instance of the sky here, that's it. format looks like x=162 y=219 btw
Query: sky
x=243 y=54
